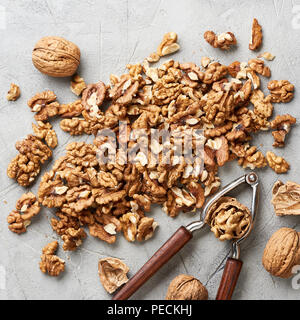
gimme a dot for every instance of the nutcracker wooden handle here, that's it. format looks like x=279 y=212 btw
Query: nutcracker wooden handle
x=229 y=279
x=160 y=257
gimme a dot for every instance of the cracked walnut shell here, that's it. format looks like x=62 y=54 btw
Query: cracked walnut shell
x=50 y=263
x=286 y=198
x=282 y=252
x=228 y=219
x=112 y=273
x=186 y=287
x=56 y=57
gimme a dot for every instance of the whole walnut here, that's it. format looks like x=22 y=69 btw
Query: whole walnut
x=185 y=287
x=282 y=252
x=56 y=57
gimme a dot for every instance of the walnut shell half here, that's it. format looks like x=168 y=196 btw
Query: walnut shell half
x=56 y=56
x=286 y=198
x=112 y=273
x=185 y=287
x=282 y=252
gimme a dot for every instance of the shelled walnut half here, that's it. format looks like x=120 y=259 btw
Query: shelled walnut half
x=26 y=208
x=50 y=263
x=228 y=219
x=286 y=198
x=112 y=273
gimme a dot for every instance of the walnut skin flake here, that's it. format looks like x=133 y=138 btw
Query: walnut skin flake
x=14 y=92
x=256 y=39
x=112 y=273
x=286 y=198
x=228 y=219
x=278 y=164
x=50 y=263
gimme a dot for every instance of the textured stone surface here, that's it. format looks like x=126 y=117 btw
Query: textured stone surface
x=111 y=34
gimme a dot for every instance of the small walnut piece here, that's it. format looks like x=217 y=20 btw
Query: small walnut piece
x=14 y=92
x=185 y=287
x=281 y=90
x=278 y=164
x=112 y=273
x=259 y=66
x=51 y=263
x=286 y=198
x=228 y=219
x=222 y=41
x=256 y=38
x=77 y=85
x=168 y=45
x=282 y=124
x=282 y=253
x=26 y=208
x=56 y=57
x=267 y=56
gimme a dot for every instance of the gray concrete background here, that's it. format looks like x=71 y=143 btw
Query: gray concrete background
x=111 y=34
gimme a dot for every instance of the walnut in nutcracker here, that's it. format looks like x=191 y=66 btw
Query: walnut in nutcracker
x=228 y=219
x=282 y=253
x=56 y=56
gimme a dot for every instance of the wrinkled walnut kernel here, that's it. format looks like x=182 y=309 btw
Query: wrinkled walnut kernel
x=278 y=164
x=26 y=208
x=281 y=91
x=51 y=263
x=44 y=105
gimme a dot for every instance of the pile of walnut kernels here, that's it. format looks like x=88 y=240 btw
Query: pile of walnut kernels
x=225 y=101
